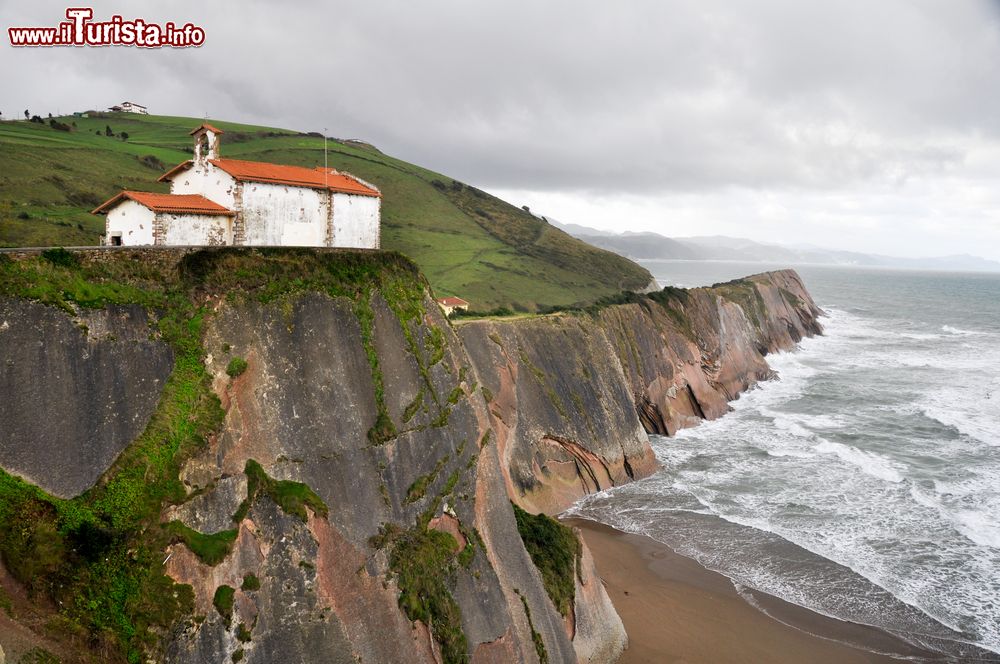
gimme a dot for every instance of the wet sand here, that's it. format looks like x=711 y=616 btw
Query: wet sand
x=675 y=611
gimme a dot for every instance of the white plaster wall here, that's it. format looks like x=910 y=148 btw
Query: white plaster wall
x=196 y=229
x=133 y=221
x=278 y=215
x=205 y=179
x=356 y=221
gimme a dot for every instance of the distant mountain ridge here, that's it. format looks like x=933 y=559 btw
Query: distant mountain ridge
x=653 y=246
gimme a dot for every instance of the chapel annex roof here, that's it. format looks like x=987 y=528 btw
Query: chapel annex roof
x=177 y=203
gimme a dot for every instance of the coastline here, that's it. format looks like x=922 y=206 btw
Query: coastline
x=676 y=611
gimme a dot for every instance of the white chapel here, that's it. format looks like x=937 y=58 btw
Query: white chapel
x=216 y=201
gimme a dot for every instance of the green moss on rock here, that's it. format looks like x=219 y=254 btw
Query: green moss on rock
x=210 y=549
x=223 y=601
x=250 y=582
x=423 y=560
x=536 y=638
x=292 y=497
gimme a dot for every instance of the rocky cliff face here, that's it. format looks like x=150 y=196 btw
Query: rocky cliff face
x=76 y=389
x=323 y=465
x=571 y=397
x=563 y=416
x=303 y=409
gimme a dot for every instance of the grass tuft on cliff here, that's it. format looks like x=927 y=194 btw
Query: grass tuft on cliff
x=210 y=549
x=555 y=550
x=467 y=242
x=536 y=638
x=423 y=560
x=292 y=497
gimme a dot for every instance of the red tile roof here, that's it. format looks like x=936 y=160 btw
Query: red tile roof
x=296 y=176
x=452 y=302
x=205 y=126
x=180 y=203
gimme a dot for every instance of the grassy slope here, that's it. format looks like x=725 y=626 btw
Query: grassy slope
x=467 y=242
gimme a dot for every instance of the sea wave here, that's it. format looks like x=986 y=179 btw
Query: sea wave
x=977 y=523
x=960 y=332
x=876 y=465
x=970 y=419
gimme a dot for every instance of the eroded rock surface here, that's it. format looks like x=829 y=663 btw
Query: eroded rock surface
x=77 y=390
x=563 y=416
x=303 y=409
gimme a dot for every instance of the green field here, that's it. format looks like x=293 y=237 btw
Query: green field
x=468 y=243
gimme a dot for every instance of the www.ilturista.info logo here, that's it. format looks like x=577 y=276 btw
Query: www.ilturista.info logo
x=79 y=30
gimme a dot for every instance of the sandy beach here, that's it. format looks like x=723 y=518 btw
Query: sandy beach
x=675 y=611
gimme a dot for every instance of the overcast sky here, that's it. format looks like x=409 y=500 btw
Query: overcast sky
x=856 y=124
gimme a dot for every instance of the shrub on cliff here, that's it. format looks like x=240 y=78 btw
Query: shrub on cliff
x=236 y=367
x=555 y=550
x=422 y=561
x=61 y=257
x=223 y=601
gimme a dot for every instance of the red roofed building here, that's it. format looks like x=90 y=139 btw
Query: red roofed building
x=450 y=304
x=231 y=201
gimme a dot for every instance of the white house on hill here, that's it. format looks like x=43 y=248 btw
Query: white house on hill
x=129 y=107
x=216 y=201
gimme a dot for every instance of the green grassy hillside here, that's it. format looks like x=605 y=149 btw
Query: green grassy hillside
x=468 y=243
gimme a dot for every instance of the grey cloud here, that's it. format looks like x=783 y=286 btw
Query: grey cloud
x=592 y=96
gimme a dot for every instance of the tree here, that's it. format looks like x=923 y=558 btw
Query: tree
x=27 y=115
x=124 y=135
x=107 y=131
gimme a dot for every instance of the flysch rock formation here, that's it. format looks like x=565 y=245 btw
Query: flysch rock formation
x=400 y=425
x=573 y=397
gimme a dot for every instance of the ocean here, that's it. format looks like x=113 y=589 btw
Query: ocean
x=864 y=483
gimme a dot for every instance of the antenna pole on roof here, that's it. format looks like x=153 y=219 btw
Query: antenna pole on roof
x=326 y=167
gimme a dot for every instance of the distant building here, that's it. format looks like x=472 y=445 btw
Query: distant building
x=451 y=304
x=216 y=201
x=129 y=107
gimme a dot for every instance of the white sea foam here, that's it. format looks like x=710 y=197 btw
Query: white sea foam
x=980 y=526
x=873 y=464
x=969 y=419
x=960 y=332
x=788 y=452
x=919 y=336
x=790 y=425
x=982 y=529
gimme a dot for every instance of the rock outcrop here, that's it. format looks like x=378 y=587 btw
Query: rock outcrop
x=351 y=500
